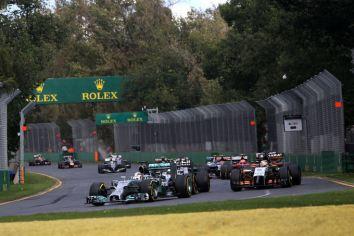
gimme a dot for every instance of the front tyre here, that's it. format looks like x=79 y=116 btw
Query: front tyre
x=285 y=177
x=98 y=189
x=147 y=186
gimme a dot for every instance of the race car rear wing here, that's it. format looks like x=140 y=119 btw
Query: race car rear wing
x=160 y=166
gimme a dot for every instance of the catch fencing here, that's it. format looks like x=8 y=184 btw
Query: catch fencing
x=5 y=99
x=42 y=138
x=84 y=135
x=227 y=127
x=318 y=104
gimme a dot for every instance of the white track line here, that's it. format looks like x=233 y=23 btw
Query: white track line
x=57 y=185
x=343 y=183
x=267 y=193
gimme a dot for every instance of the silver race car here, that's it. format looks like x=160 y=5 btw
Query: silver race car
x=113 y=164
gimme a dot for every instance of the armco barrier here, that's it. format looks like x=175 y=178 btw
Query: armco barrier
x=4 y=180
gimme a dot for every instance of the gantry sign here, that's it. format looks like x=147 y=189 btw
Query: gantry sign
x=78 y=90
x=122 y=117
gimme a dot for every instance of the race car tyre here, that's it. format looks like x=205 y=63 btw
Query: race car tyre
x=295 y=171
x=285 y=177
x=225 y=170
x=183 y=186
x=235 y=180
x=98 y=189
x=60 y=165
x=31 y=164
x=100 y=168
x=146 y=186
x=203 y=180
x=80 y=165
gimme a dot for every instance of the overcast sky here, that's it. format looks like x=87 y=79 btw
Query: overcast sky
x=181 y=8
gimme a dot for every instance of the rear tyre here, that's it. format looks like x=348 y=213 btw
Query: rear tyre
x=295 y=171
x=203 y=180
x=285 y=177
x=225 y=170
x=235 y=180
x=184 y=186
x=98 y=189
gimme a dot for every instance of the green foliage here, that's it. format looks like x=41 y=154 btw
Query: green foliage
x=271 y=38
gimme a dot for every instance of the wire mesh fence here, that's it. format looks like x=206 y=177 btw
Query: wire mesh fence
x=224 y=127
x=42 y=137
x=318 y=104
x=84 y=135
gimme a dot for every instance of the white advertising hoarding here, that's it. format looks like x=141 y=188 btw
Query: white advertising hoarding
x=292 y=124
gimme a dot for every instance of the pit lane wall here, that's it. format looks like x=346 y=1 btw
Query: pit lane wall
x=324 y=162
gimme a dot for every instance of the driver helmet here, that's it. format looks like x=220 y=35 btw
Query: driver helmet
x=138 y=176
x=263 y=163
x=243 y=160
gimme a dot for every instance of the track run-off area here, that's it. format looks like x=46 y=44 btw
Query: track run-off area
x=71 y=195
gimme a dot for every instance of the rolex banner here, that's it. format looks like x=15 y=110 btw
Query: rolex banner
x=123 y=117
x=77 y=90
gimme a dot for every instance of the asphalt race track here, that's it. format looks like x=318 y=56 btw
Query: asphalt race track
x=71 y=196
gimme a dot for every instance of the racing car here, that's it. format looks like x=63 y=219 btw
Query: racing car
x=267 y=171
x=113 y=164
x=164 y=180
x=68 y=160
x=227 y=166
x=214 y=164
x=39 y=160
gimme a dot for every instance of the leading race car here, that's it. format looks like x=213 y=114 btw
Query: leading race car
x=164 y=180
x=39 y=160
x=68 y=160
x=268 y=170
x=113 y=164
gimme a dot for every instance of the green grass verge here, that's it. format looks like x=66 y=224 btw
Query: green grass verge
x=348 y=177
x=330 y=198
x=34 y=183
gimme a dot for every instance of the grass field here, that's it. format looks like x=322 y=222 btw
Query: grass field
x=322 y=199
x=325 y=220
x=35 y=183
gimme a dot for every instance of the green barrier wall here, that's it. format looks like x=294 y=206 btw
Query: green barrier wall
x=54 y=157
x=197 y=157
x=325 y=162
x=4 y=180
